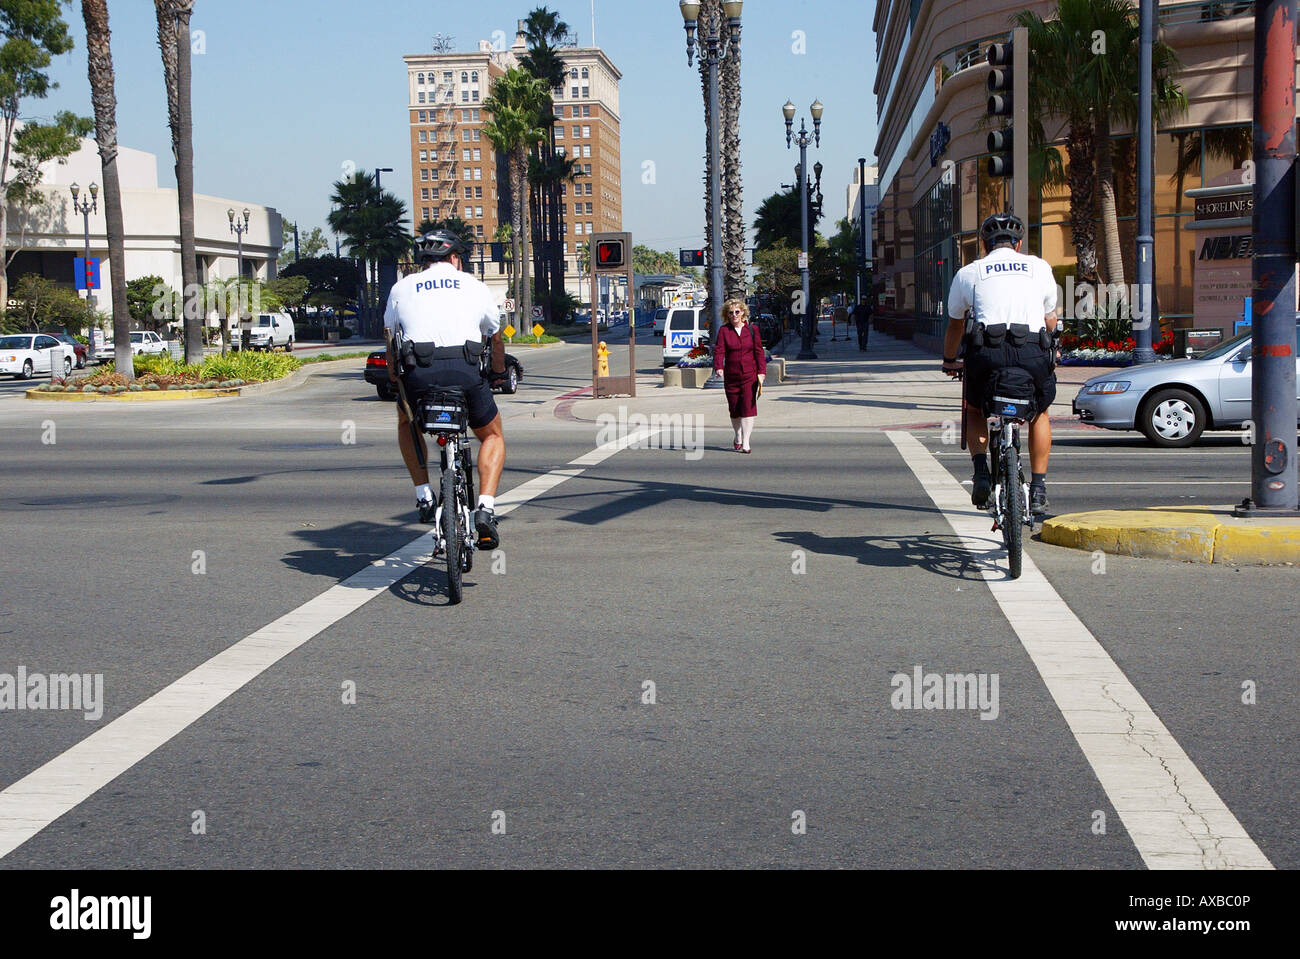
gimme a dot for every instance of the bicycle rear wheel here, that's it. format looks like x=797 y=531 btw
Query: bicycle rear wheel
x=451 y=533
x=1013 y=524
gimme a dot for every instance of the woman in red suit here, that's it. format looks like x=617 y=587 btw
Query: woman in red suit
x=739 y=356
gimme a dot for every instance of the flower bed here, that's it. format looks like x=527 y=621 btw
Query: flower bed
x=1080 y=351
x=161 y=373
x=698 y=357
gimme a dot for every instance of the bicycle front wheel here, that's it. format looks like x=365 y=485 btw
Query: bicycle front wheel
x=1013 y=524
x=451 y=535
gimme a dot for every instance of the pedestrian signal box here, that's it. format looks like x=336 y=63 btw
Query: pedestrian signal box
x=609 y=255
x=692 y=257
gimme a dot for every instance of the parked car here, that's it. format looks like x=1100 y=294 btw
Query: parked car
x=685 y=327
x=659 y=321
x=272 y=331
x=1173 y=403
x=142 y=343
x=376 y=374
x=79 y=349
x=25 y=355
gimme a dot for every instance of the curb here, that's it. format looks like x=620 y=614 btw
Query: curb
x=253 y=389
x=1196 y=534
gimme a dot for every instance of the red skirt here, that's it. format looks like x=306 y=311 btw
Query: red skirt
x=740 y=398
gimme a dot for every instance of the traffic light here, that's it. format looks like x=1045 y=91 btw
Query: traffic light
x=1001 y=104
x=692 y=257
x=609 y=254
x=1008 y=83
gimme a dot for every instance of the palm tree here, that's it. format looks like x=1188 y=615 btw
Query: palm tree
x=99 y=57
x=777 y=219
x=1094 y=85
x=174 y=42
x=544 y=31
x=711 y=22
x=515 y=106
x=373 y=224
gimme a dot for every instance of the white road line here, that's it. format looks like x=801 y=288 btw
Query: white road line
x=1173 y=815
x=1057 y=482
x=36 y=800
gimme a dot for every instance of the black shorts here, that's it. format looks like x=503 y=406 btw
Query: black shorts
x=982 y=362
x=454 y=372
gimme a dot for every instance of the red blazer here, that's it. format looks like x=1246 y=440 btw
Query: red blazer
x=739 y=356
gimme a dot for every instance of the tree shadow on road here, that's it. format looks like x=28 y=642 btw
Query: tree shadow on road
x=942 y=554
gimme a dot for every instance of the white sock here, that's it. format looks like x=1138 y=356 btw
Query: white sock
x=487 y=502
x=424 y=493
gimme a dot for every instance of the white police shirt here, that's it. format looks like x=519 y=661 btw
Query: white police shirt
x=443 y=306
x=1004 y=287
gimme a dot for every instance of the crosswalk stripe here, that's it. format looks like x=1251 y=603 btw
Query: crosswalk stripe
x=39 y=798
x=1171 y=812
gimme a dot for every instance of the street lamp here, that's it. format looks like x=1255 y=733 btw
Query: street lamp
x=238 y=228
x=719 y=47
x=85 y=208
x=803 y=138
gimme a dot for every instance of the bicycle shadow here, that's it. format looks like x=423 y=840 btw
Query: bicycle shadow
x=942 y=554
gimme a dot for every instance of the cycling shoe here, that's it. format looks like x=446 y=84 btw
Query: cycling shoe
x=981 y=489
x=485 y=524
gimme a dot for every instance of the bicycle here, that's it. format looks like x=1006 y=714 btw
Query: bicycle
x=1008 y=502
x=444 y=413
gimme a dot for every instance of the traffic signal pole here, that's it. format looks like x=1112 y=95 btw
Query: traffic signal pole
x=1020 y=123
x=1273 y=391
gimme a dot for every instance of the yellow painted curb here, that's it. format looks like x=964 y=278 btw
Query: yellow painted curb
x=1188 y=534
x=144 y=396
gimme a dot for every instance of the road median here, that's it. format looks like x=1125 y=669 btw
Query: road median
x=1191 y=534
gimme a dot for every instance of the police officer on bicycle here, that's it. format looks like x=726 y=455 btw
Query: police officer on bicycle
x=1011 y=298
x=438 y=319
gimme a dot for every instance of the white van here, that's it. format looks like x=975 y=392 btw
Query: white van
x=272 y=331
x=682 y=331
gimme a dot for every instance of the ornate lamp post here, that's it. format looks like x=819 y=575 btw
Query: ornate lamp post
x=714 y=49
x=239 y=229
x=803 y=138
x=85 y=208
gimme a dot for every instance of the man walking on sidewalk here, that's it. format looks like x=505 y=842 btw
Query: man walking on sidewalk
x=862 y=317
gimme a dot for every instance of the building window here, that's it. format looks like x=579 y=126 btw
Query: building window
x=424 y=175
x=420 y=79
x=424 y=193
x=585 y=73
x=577 y=229
x=586 y=132
x=433 y=175
x=589 y=228
x=474 y=77
x=478 y=232
x=446 y=76
x=469 y=194
x=590 y=211
x=423 y=116
x=464 y=77
x=559 y=150
x=478 y=135
x=433 y=156
x=421 y=100
x=425 y=211
x=478 y=192
x=424 y=156
x=577 y=133
x=435 y=194
x=475 y=116
x=566 y=247
x=586 y=92
x=589 y=189
x=586 y=149
x=478 y=155
x=559 y=132
x=476 y=96
x=478 y=212
x=478 y=173
x=575 y=94
x=464 y=96
x=424 y=136
x=586 y=109
x=574 y=73
x=586 y=168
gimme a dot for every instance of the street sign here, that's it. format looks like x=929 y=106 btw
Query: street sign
x=509 y=332
x=508 y=306
x=538 y=312
x=538 y=329
x=87 y=272
x=803 y=261
x=692 y=257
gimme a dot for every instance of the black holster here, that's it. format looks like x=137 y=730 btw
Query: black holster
x=423 y=354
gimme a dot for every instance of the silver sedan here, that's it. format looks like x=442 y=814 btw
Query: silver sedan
x=1173 y=403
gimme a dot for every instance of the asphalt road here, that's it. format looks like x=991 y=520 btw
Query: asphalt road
x=770 y=599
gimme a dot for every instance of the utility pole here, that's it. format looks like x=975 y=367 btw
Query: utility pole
x=1146 y=225
x=1273 y=391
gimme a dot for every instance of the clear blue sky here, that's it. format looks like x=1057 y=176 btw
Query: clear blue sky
x=290 y=90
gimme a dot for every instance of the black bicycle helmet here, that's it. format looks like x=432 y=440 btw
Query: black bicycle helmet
x=439 y=245
x=1001 y=228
